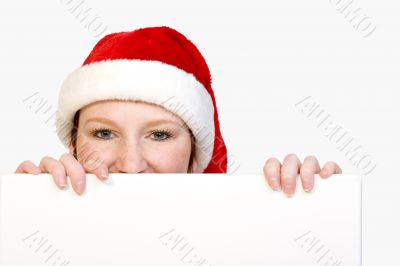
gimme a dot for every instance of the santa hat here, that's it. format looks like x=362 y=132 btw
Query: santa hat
x=157 y=65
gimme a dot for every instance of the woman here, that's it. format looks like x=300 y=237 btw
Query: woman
x=143 y=103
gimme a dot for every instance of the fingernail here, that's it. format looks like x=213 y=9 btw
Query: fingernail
x=104 y=175
x=308 y=188
x=276 y=187
x=62 y=182
x=80 y=186
x=289 y=195
x=289 y=190
x=274 y=183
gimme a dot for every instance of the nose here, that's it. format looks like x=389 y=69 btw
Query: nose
x=131 y=160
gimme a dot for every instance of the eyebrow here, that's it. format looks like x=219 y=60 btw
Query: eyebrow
x=148 y=124
x=161 y=121
x=102 y=120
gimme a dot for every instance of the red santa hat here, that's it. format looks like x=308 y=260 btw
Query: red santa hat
x=157 y=65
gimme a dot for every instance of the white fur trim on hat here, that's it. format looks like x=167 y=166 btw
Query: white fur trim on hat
x=150 y=81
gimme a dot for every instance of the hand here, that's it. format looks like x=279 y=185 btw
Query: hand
x=67 y=165
x=284 y=175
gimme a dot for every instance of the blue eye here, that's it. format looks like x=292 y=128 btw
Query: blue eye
x=102 y=133
x=161 y=135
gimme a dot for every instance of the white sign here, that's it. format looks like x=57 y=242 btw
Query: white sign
x=179 y=219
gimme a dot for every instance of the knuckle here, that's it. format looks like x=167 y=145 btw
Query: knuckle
x=76 y=170
x=270 y=171
x=284 y=175
x=290 y=156
x=287 y=173
x=304 y=171
x=271 y=164
x=272 y=160
x=57 y=168
x=64 y=156
x=26 y=162
x=287 y=182
x=45 y=159
x=330 y=163
x=310 y=158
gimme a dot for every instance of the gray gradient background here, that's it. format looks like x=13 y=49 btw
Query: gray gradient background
x=264 y=57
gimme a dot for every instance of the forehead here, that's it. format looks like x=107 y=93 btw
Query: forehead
x=123 y=110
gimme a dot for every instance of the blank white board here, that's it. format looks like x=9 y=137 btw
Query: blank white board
x=179 y=219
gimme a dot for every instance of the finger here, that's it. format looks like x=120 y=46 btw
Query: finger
x=27 y=167
x=272 y=173
x=289 y=171
x=94 y=163
x=56 y=169
x=308 y=169
x=75 y=172
x=330 y=168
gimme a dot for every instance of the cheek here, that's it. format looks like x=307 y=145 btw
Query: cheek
x=172 y=157
x=88 y=148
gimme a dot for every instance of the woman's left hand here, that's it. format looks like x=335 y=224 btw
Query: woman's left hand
x=284 y=175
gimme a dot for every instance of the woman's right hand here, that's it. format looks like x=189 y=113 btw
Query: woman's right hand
x=66 y=166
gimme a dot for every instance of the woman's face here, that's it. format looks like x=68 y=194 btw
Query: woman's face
x=133 y=137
